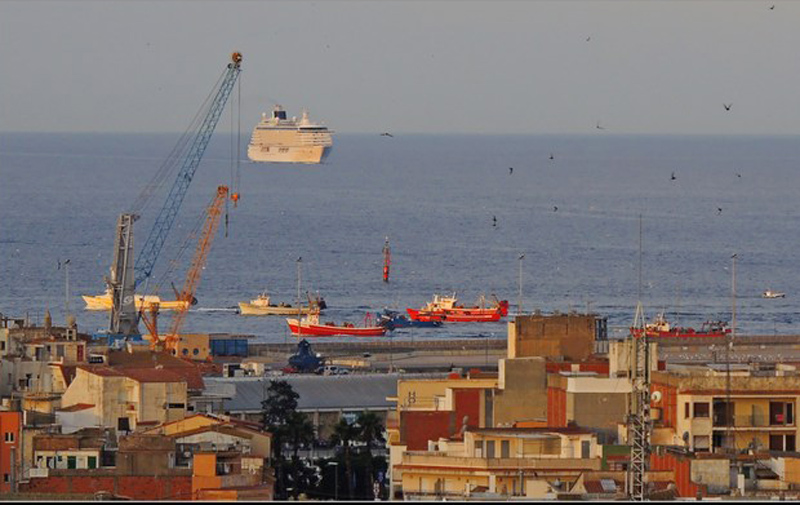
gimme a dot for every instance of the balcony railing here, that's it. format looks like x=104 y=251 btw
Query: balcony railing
x=749 y=421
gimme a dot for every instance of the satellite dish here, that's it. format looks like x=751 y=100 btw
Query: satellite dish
x=656 y=396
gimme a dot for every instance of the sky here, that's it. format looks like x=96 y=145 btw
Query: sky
x=406 y=66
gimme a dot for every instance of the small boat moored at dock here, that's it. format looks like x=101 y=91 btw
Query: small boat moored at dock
x=392 y=319
x=661 y=328
x=310 y=326
x=263 y=306
x=103 y=302
x=446 y=309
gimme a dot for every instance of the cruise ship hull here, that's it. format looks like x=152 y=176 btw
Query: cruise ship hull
x=272 y=154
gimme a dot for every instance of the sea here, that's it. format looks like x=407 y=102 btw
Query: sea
x=696 y=227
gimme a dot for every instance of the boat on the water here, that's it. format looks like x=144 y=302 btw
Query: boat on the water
x=103 y=302
x=392 y=319
x=278 y=139
x=662 y=328
x=310 y=326
x=447 y=309
x=773 y=294
x=263 y=306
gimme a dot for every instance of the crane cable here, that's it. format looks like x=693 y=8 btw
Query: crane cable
x=170 y=164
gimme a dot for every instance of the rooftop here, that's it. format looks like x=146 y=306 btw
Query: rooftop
x=317 y=392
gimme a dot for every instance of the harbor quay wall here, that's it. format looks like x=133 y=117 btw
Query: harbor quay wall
x=431 y=346
x=137 y=487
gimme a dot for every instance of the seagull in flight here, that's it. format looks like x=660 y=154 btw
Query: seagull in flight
x=719 y=210
x=599 y=127
x=510 y=170
x=739 y=175
x=727 y=106
x=772 y=8
x=552 y=157
x=672 y=178
x=386 y=134
x=494 y=220
x=555 y=208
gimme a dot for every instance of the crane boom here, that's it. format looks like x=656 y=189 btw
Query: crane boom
x=123 y=279
x=209 y=230
x=166 y=217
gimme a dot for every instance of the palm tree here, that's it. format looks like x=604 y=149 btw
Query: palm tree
x=370 y=430
x=343 y=434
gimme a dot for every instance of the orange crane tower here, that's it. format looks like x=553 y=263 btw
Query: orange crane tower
x=210 y=225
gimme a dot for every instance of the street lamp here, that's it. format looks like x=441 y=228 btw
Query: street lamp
x=335 y=465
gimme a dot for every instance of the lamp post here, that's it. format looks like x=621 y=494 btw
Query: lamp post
x=519 y=303
x=335 y=465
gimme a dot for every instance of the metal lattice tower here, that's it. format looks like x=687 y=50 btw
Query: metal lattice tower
x=639 y=422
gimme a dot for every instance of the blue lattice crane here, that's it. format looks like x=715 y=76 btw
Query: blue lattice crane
x=125 y=276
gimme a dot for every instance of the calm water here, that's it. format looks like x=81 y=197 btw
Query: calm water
x=435 y=197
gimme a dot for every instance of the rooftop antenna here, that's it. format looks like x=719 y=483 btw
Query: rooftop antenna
x=639 y=408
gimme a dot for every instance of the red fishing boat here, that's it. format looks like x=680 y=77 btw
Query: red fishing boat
x=661 y=328
x=311 y=327
x=446 y=309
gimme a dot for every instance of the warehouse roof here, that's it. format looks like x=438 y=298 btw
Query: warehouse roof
x=317 y=392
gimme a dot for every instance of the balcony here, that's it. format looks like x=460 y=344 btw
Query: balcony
x=751 y=421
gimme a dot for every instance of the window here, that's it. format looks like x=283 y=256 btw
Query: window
x=2 y=345
x=790 y=443
x=92 y=462
x=6 y=477
x=123 y=424
x=490 y=449
x=505 y=449
x=72 y=462
x=586 y=449
x=9 y=437
x=701 y=409
x=776 y=442
x=175 y=405
x=59 y=351
x=686 y=413
x=781 y=413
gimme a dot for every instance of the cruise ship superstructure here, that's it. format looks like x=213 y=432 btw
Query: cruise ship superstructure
x=282 y=140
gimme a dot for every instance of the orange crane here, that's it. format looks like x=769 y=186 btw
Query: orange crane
x=170 y=341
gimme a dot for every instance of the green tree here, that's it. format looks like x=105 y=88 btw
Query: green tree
x=277 y=410
x=299 y=432
x=369 y=430
x=343 y=435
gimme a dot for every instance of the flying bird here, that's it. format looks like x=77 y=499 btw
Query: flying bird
x=386 y=134
x=719 y=210
x=739 y=175
x=510 y=170
x=599 y=127
x=672 y=178
x=494 y=220
x=552 y=157
x=588 y=38
x=727 y=106
x=555 y=208
x=772 y=8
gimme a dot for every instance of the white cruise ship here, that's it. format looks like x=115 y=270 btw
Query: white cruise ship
x=282 y=140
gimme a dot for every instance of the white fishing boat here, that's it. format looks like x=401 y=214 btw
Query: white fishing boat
x=773 y=294
x=277 y=139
